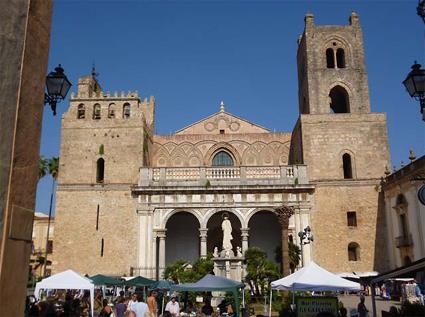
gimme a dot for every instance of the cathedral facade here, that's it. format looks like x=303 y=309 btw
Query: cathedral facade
x=130 y=201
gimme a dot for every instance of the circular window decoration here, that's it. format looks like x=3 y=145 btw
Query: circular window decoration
x=234 y=126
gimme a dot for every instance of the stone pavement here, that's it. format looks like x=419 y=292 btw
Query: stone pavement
x=351 y=301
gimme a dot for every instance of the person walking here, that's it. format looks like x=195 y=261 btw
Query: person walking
x=361 y=307
x=173 y=307
x=140 y=308
x=106 y=309
x=120 y=307
x=152 y=304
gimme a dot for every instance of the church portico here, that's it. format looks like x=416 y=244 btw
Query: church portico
x=186 y=219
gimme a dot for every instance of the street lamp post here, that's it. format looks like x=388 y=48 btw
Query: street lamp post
x=57 y=87
x=306 y=237
x=415 y=85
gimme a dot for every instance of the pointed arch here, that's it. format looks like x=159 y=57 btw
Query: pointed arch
x=347 y=166
x=222 y=147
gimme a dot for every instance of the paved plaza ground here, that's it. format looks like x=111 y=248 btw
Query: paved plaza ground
x=351 y=301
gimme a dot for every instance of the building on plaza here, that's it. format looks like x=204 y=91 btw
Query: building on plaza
x=130 y=201
x=39 y=239
x=405 y=215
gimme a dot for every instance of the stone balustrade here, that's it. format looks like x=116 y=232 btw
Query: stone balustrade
x=210 y=176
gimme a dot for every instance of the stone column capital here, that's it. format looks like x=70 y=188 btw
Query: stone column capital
x=245 y=232
x=203 y=232
x=283 y=214
x=161 y=233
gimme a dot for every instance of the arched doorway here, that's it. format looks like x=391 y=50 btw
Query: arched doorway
x=265 y=233
x=182 y=241
x=215 y=233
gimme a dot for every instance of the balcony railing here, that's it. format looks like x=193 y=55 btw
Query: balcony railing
x=181 y=176
x=404 y=241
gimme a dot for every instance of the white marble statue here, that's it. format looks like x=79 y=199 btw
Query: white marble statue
x=215 y=254
x=226 y=226
x=239 y=252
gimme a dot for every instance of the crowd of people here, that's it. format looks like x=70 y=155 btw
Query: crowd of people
x=75 y=304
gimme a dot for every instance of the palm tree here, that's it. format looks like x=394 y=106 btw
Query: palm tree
x=53 y=169
x=42 y=167
x=294 y=255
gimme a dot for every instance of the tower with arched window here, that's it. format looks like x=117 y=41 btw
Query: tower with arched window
x=342 y=142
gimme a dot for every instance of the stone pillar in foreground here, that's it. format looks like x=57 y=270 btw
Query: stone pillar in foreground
x=24 y=43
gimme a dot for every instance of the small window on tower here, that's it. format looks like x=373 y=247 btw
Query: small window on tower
x=330 y=59
x=100 y=170
x=353 y=251
x=96 y=112
x=351 y=219
x=221 y=131
x=81 y=112
x=340 y=58
x=126 y=111
x=347 y=166
x=111 y=111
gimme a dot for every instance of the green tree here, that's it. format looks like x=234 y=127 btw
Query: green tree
x=260 y=270
x=294 y=255
x=42 y=167
x=53 y=169
x=182 y=271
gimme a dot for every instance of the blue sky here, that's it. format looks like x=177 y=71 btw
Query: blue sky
x=191 y=55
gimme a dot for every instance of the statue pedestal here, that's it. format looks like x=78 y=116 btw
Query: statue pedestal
x=229 y=267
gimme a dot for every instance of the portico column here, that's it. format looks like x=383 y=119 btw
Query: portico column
x=283 y=213
x=203 y=236
x=161 y=234
x=245 y=236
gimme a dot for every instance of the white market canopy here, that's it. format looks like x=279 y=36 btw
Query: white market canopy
x=314 y=278
x=66 y=280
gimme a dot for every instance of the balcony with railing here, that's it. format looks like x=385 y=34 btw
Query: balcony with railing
x=290 y=175
x=404 y=241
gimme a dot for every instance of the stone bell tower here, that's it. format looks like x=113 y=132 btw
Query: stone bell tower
x=331 y=69
x=343 y=144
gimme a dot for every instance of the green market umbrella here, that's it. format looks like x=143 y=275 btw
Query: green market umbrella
x=210 y=283
x=139 y=281
x=100 y=279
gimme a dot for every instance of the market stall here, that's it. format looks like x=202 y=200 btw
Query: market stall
x=67 y=280
x=313 y=278
x=211 y=283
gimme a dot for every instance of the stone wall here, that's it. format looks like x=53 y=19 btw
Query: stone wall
x=332 y=233
x=326 y=138
x=78 y=241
